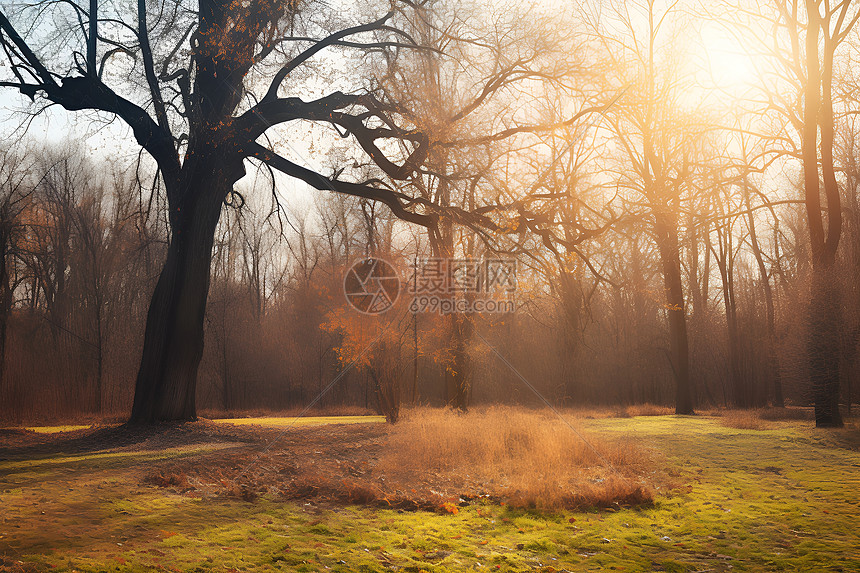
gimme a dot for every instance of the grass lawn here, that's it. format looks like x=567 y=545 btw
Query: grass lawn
x=54 y=429
x=786 y=498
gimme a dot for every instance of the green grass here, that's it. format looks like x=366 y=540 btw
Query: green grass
x=273 y=422
x=784 y=499
x=53 y=429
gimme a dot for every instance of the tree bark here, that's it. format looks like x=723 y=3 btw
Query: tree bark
x=667 y=240
x=823 y=347
x=824 y=317
x=173 y=341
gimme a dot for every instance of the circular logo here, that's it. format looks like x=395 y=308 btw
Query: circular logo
x=371 y=286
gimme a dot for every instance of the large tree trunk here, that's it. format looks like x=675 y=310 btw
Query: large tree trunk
x=824 y=316
x=823 y=346
x=173 y=342
x=667 y=239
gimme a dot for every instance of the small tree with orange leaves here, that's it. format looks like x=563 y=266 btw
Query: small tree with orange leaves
x=374 y=342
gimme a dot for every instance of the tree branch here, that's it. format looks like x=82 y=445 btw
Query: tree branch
x=395 y=201
x=149 y=66
x=272 y=92
x=26 y=52
x=92 y=38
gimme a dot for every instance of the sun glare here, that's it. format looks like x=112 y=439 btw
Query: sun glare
x=726 y=62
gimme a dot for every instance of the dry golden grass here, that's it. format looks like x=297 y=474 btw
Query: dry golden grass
x=598 y=412
x=743 y=420
x=758 y=418
x=336 y=410
x=528 y=458
x=788 y=413
x=647 y=410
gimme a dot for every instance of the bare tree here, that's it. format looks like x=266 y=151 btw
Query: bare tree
x=216 y=78
x=660 y=150
x=803 y=40
x=15 y=191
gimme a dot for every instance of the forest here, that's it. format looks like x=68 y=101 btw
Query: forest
x=436 y=244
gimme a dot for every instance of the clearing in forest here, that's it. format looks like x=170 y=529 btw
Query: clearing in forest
x=497 y=490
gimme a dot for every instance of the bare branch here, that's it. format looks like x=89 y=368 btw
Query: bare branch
x=320 y=45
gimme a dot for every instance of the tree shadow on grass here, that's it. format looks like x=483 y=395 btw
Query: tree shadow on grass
x=848 y=437
x=18 y=444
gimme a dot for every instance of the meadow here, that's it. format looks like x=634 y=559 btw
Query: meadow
x=590 y=492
